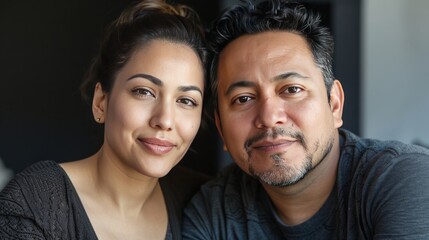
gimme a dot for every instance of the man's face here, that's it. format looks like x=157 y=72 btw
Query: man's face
x=274 y=115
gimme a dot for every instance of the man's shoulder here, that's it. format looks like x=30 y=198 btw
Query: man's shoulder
x=376 y=163
x=231 y=187
x=231 y=176
x=231 y=202
x=379 y=163
x=366 y=150
x=350 y=140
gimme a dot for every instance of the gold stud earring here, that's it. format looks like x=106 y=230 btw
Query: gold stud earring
x=98 y=119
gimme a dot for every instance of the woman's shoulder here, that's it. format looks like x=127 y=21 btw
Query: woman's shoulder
x=39 y=175
x=31 y=191
x=34 y=184
x=36 y=202
x=40 y=187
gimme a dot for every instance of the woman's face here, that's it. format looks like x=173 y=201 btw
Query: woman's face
x=153 y=111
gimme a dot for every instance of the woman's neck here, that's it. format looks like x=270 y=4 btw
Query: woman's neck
x=121 y=187
x=115 y=199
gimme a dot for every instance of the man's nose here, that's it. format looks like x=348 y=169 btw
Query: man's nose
x=271 y=113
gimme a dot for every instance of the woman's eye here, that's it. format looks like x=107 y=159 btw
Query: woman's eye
x=187 y=102
x=293 y=89
x=142 y=92
x=242 y=99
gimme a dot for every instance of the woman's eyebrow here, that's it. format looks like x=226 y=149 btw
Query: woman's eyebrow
x=158 y=82
x=190 y=88
x=149 y=77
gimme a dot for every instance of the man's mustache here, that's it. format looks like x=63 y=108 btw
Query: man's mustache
x=274 y=133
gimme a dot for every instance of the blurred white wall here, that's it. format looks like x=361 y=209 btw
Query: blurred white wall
x=395 y=70
x=5 y=175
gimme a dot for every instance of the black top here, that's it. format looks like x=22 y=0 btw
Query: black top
x=42 y=203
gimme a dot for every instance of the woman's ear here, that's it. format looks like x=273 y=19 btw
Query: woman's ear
x=99 y=103
x=337 y=103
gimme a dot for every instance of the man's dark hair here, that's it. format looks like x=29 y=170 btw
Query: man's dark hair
x=271 y=15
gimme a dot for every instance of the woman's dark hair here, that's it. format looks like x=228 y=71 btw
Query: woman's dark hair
x=137 y=26
x=271 y=15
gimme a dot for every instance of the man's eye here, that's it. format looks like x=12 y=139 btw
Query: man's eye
x=242 y=99
x=293 y=90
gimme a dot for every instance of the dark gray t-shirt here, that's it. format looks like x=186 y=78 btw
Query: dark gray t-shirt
x=381 y=192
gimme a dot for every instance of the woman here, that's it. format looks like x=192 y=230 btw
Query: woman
x=148 y=85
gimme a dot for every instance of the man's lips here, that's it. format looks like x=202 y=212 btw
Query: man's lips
x=268 y=146
x=157 y=146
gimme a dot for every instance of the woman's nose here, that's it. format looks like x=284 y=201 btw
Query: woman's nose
x=163 y=117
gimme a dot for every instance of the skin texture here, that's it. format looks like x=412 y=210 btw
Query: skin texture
x=151 y=117
x=276 y=121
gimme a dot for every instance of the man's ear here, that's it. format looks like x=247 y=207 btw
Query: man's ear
x=219 y=129
x=99 y=103
x=337 y=103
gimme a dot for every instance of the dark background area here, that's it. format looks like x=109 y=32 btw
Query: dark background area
x=47 y=46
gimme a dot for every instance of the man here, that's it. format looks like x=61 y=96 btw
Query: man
x=298 y=175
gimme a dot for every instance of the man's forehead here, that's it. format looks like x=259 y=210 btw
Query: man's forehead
x=265 y=39
x=268 y=51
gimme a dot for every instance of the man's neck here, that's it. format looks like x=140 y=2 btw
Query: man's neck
x=297 y=203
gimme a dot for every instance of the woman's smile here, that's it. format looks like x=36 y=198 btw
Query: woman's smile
x=156 y=146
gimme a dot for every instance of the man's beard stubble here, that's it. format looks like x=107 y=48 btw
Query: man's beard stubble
x=280 y=174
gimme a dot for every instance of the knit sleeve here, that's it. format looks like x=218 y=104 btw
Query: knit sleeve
x=16 y=219
x=35 y=205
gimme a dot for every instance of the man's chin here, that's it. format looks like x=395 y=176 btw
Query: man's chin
x=276 y=176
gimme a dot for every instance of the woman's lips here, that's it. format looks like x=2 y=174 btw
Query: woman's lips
x=157 y=146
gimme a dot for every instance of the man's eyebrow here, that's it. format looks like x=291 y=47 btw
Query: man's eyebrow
x=190 y=88
x=239 y=84
x=244 y=83
x=289 y=75
x=151 y=78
